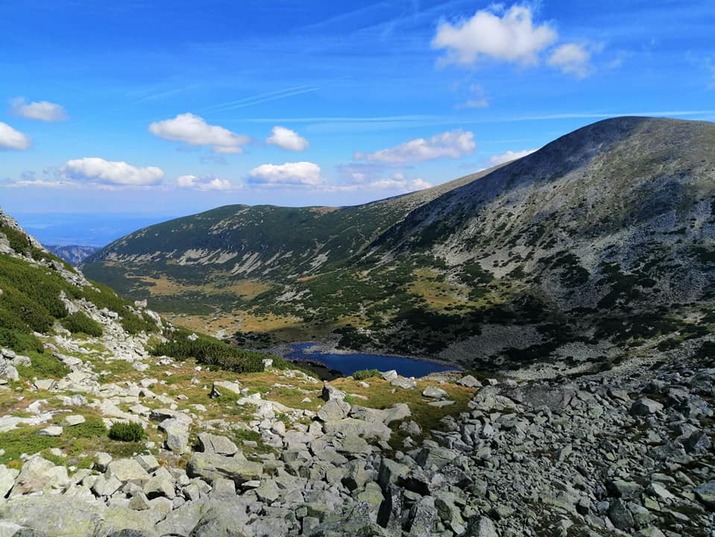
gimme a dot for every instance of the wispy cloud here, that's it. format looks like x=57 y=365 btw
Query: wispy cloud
x=263 y=98
x=508 y=156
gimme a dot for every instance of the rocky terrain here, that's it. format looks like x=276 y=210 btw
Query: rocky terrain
x=625 y=451
x=593 y=250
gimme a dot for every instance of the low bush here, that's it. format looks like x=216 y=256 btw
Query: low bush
x=210 y=351
x=79 y=322
x=366 y=374
x=126 y=432
x=44 y=366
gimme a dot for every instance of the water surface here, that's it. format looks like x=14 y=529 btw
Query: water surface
x=348 y=362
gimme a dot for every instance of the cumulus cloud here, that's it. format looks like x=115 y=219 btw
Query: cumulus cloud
x=512 y=37
x=287 y=174
x=508 y=156
x=13 y=139
x=193 y=130
x=204 y=183
x=287 y=139
x=451 y=144
x=39 y=110
x=572 y=59
x=97 y=170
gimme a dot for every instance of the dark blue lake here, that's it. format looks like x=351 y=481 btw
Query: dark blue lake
x=348 y=363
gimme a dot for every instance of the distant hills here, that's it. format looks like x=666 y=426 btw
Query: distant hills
x=74 y=254
x=596 y=247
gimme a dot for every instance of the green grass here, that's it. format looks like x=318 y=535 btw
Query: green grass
x=43 y=366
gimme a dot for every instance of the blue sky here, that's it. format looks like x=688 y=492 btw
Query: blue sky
x=151 y=109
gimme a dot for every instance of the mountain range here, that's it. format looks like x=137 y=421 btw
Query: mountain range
x=597 y=247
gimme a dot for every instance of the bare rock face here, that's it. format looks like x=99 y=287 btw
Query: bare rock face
x=210 y=467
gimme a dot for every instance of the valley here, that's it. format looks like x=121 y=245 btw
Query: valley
x=594 y=249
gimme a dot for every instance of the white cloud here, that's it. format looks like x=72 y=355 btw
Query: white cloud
x=97 y=170
x=451 y=144
x=508 y=156
x=287 y=139
x=572 y=59
x=40 y=110
x=12 y=139
x=193 y=130
x=203 y=183
x=511 y=37
x=289 y=173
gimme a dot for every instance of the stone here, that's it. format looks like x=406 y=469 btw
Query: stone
x=706 y=494
x=620 y=515
x=160 y=485
x=45 y=384
x=71 y=421
x=432 y=392
x=212 y=443
x=469 y=381
x=106 y=486
x=177 y=435
x=645 y=407
x=102 y=460
x=391 y=472
x=232 y=387
x=389 y=375
x=210 y=466
x=330 y=393
x=423 y=517
x=147 y=461
x=52 y=430
x=698 y=441
x=333 y=410
x=403 y=383
x=7 y=479
x=623 y=489
x=482 y=527
x=42 y=513
x=127 y=470
x=40 y=475
x=268 y=491
x=223 y=489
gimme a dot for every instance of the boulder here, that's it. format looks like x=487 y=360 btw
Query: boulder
x=209 y=466
x=432 y=392
x=40 y=475
x=127 y=470
x=212 y=443
x=333 y=410
x=469 y=381
x=177 y=435
x=645 y=407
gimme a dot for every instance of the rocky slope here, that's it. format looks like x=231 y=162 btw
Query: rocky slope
x=596 y=248
x=622 y=452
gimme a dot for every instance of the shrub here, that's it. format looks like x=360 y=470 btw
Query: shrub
x=210 y=351
x=126 y=432
x=80 y=322
x=44 y=366
x=366 y=374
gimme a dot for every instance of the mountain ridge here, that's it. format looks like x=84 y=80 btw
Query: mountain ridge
x=599 y=238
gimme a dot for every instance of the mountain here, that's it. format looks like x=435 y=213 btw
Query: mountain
x=74 y=254
x=596 y=248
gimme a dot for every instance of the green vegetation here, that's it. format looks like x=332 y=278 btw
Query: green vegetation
x=126 y=432
x=366 y=374
x=209 y=351
x=79 y=322
x=43 y=366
